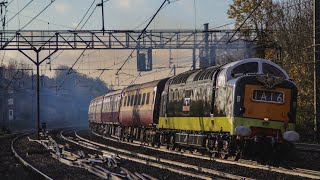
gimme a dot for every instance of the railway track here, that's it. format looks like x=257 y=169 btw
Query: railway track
x=297 y=172
x=24 y=162
x=174 y=167
x=34 y=154
x=308 y=147
x=11 y=167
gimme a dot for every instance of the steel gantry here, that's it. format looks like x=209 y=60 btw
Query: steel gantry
x=115 y=39
x=40 y=40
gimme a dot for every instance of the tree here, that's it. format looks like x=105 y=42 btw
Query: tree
x=288 y=25
x=258 y=22
x=293 y=33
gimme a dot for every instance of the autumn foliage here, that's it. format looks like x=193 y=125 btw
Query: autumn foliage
x=286 y=26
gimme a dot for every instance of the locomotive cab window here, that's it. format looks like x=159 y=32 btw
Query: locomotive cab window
x=251 y=67
x=270 y=69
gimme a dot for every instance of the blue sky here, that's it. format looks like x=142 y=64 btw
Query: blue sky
x=119 y=14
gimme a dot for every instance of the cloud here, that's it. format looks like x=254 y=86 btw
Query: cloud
x=123 y=4
x=62 y=7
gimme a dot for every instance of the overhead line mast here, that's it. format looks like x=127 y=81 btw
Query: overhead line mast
x=3 y=13
x=101 y=4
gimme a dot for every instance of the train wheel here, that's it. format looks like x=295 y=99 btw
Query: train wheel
x=236 y=157
x=224 y=155
x=167 y=146
x=214 y=154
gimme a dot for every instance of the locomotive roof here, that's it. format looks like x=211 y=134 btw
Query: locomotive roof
x=97 y=98
x=242 y=67
x=226 y=71
x=183 y=77
x=234 y=64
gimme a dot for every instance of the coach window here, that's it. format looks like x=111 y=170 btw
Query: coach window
x=128 y=103
x=132 y=99
x=148 y=98
x=153 y=98
x=125 y=101
x=143 y=98
x=139 y=99
x=136 y=99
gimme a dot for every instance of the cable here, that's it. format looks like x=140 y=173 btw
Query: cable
x=18 y=14
x=70 y=69
x=143 y=31
x=238 y=29
x=85 y=14
x=195 y=14
x=38 y=14
x=10 y=2
x=75 y=28
x=69 y=72
x=41 y=20
x=88 y=17
x=20 y=11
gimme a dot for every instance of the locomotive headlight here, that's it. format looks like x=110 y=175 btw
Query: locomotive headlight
x=291 y=136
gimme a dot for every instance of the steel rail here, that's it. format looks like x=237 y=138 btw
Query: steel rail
x=153 y=158
x=138 y=160
x=25 y=163
x=296 y=171
x=307 y=147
